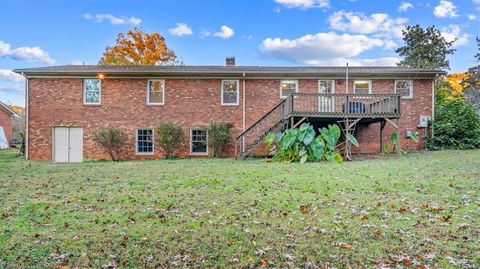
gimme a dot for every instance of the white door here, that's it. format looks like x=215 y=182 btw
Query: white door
x=326 y=103
x=68 y=144
x=76 y=145
x=3 y=139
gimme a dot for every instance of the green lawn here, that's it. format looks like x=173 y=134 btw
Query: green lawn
x=415 y=210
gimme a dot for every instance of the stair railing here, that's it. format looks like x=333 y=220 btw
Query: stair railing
x=258 y=129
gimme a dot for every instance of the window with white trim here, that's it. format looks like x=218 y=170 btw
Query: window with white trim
x=362 y=87
x=287 y=87
x=404 y=88
x=199 y=141
x=156 y=92
x=230 y=92
x=144 y=141
x=92 y=90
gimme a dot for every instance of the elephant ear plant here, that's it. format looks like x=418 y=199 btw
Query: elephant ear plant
x=302 y=144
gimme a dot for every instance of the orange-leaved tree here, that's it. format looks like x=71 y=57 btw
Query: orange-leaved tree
x=457 y=81
x=138 y=47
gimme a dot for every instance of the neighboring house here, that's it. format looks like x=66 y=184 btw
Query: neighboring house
x=66 y=104
x=6 y=133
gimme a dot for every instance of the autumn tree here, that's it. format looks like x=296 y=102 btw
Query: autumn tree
x=424 y=48
x=138 y=47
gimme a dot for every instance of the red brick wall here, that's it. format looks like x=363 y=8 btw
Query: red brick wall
x=6 y=123
x=189 y=102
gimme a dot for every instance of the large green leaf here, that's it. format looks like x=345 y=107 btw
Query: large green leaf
x=352 y=140
x=414 y=136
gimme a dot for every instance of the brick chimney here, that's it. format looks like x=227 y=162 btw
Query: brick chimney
x=230 y=61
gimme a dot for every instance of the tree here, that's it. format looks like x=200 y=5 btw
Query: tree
x=112 y=140
x=169 y=137
x=456 y=125
x=139 y=48
x=424 y=48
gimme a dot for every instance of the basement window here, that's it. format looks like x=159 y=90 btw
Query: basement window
x=230 y=92
x=199 y=141
x=362 y=87
x=156 y=92
x=144 y=141
x=287 y=87
x=92 y=91
x=404 y=88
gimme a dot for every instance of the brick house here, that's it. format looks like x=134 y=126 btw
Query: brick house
x=65 y=104
x=6 y=131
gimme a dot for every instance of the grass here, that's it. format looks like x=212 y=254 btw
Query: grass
x=417 y=210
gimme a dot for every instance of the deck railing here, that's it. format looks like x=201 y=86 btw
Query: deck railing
x=346 y=105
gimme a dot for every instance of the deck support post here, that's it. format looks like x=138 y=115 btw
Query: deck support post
x=347 y=143
x=292 y=122
x=382 y=127
x=397 y=145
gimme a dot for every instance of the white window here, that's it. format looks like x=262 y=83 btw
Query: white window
x=144 y=141
x=404 y=88
x=156 y=92
x=92 y=91
x=230 y=92
x=287 y=87
x=199 y=141
x=362 y=87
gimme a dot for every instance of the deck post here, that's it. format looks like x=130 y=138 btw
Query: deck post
x=397 y=146
x=382 y=126
x=347 y=143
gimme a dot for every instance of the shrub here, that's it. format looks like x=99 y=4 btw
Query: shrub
x=170 y=138
x=112 y=140
x=456 y=125
x=302 y=145
x=219 y=137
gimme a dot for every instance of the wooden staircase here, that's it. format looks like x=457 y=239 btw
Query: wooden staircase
x=275 y=120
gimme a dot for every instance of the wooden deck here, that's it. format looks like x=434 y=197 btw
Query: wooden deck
x=343 y=105
x=346 y=109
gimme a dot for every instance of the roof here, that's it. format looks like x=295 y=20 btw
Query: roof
x=225 y=71
x=7 y=109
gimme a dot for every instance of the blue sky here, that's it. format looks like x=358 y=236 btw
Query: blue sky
x=256 y=32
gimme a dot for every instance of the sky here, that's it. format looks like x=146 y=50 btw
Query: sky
x=204 y=32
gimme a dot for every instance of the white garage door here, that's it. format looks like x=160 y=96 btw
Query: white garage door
x=68 y=144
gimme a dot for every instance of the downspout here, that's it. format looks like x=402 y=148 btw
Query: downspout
x=346 y=80
x=433 y=105
x=244 y=111
x=26 y=116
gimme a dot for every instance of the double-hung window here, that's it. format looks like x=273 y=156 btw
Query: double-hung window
x=287 y=87
x=362 y=87
x=404 y=88
x=156 y=92
x=199 y=141
x=144 y=141
x=92 y=91
x=230 y=92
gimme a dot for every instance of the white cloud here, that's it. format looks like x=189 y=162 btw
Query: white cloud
x=359 y=23
x=318 y=48
x=29 y=54
x=9 y=75
x=453 y=32
x=385 y=61
x=472 y=17
x=476 y=3
x=115 y=20
x=445 y=9
x=182 y=29
x=405 y=6
x=303 y=3
x=225 y=32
